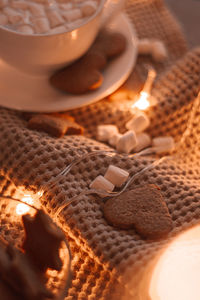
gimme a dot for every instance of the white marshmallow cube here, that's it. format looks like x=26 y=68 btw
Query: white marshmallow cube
x=127 y=142
x=145 y=46
x=55 y=19
x=79 y=1
x=72 y=15
x=138 y=123
x=27 y=29
x=88 y=8
x=3 y=3
x=116 y=175
x=26 y=18
x=74 y=24
x=3 y=19
x=51 y=4
x=58 y=29
x=14 y=16
x=113 y=140
x=155 y=48
x=40 y=1
x=20 y=4
x=105 y=132
x=159 y=51
x=163 y=144
x=143 y=141
x=66 y=6
x=36 y=10
x=101 y=183
x=41 y=25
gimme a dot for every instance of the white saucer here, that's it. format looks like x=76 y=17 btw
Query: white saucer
x=30 y=93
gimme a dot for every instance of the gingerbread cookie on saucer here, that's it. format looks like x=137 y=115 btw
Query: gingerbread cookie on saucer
x=85 y=74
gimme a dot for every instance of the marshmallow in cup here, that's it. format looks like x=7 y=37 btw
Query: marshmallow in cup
x=43 y=53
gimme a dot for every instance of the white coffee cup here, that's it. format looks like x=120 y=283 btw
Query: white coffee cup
x=44 y=53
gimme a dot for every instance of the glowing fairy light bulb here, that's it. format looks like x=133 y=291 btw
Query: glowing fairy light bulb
x=142 y=103
x=21 y=208
x=40 y=193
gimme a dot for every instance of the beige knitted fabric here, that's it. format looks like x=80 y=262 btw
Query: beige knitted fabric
x=109 y=263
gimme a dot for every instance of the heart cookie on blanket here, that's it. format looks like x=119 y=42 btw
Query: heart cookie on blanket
x=142 y=208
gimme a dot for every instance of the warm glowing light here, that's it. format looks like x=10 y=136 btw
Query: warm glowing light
x=40 y=193
x=21 y=208
x=142 y=103
x=74 y=34
x=177 y=274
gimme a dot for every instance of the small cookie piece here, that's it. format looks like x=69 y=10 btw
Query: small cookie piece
x=55 y=126
x=142 y=208
x=111 y=44
x=73 y=128
x=75 y=79
x=52 y=125
x=62 y=115
x=42 y=241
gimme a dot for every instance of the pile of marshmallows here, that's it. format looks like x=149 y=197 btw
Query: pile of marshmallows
x=134 y=139
x=45 y=16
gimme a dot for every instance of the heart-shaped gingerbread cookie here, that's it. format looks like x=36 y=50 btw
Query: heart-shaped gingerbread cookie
x=85 y=74
x=143 y=209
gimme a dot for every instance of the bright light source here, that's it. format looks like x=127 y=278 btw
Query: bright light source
x=40 y=193
x=74 y=35
x=142 y=103
x=176 y=276
x=21 y=208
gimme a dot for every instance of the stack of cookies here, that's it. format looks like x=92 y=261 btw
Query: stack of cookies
x=86 y=74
